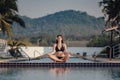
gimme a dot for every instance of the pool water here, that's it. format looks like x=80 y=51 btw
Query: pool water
x=59 y=73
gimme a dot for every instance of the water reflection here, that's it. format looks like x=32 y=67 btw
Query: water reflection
x=8 y=73
x=59 y=71
x=115 y=74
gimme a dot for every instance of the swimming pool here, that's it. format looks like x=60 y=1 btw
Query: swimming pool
x=42 y=73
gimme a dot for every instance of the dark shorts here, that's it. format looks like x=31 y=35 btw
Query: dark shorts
x=59 y=57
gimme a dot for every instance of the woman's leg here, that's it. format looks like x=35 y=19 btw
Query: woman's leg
x=54 y=58
x=67 y=56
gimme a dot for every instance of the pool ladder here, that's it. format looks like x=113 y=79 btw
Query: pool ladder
x=38 y=53
x=23 y=52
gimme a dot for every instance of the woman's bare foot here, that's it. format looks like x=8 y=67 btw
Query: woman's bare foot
x=64 y=59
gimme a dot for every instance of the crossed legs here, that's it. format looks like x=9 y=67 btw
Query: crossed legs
x=55 y=59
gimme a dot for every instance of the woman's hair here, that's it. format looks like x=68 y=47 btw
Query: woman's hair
x=61 y=37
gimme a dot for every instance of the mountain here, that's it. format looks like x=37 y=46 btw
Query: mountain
x=70 y=23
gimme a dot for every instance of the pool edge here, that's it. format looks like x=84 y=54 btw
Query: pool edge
x=16 y=64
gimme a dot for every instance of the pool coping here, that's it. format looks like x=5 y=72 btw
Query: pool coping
x=100 y=62
x=21 y=64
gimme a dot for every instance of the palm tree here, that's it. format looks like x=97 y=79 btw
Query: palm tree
x=8 y=15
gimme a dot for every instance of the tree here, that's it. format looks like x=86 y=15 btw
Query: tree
x=99 y=41
x=111 y=10
x=9 y=15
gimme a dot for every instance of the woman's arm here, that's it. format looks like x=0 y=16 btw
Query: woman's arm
x=53 y=50
x=65 y=51
x=65 y=47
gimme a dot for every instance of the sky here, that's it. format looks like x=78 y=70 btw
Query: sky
x=40 y=8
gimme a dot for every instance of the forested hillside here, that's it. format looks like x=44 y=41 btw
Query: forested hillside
x=70 y=23
x=73 y=25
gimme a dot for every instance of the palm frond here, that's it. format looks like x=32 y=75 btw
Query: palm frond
x=15 y=43
x=11 y=4
x=2 y=27
x=21 y=44
x=5 y=27
x=11 y=45
x=17 y=19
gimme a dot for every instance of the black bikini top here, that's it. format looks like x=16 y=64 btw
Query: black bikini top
x=61 y=49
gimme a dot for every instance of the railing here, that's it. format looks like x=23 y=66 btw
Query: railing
x=110 y=52
x=24 y=52
x=37 y=52
x=116 y=50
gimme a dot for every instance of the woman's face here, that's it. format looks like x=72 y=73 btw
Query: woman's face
x=59 y=38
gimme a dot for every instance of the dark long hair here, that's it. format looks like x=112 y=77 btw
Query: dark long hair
x=57 y=40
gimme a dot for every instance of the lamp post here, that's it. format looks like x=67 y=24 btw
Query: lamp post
x=38 y=42
x=111 y=44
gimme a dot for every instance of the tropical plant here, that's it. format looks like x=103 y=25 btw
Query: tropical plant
x=14 y=48
x=9 y=15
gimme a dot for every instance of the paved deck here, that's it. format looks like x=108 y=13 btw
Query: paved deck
x=106 y=60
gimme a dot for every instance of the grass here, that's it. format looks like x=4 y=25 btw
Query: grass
x=4 y=57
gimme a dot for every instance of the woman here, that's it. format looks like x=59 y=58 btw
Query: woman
x=59 y=49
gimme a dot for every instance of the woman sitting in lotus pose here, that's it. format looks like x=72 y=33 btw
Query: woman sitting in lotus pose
x=59 y=53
